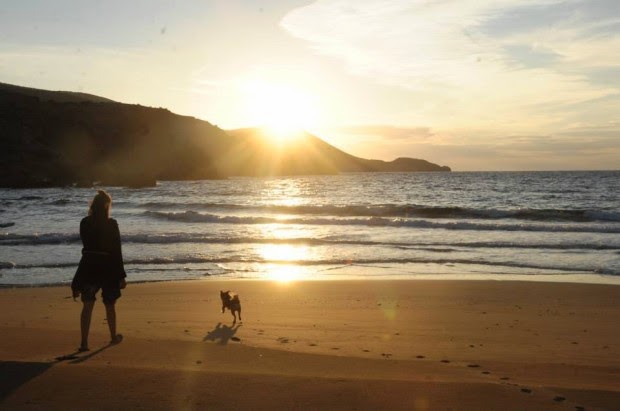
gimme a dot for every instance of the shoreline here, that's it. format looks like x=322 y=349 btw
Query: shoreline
x=603 y=279
x=401 y=344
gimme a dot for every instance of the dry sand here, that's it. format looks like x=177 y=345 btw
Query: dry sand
x=411 y=345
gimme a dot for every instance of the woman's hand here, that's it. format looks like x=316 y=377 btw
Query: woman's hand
x=75 y=292
x=122 y=283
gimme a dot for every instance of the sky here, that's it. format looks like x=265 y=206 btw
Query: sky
x=472 y=84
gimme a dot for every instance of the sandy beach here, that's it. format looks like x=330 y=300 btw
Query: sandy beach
x=411 y=344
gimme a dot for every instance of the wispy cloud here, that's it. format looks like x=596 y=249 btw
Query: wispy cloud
x=463 y=70
x=389 y=132
x=584 y=148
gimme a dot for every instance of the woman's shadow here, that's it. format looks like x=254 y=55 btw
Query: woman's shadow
x=222 y=333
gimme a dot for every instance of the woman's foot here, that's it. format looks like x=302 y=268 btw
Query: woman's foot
x=117 y=339
x=83 y=349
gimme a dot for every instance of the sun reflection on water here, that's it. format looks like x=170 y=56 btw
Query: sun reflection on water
x=285 y=273
x=276 y=253
x=284 y=261
x=283 y=252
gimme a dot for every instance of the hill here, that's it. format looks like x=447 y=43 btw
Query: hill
x=57 y=96
x=308 y=152
x=60 y=138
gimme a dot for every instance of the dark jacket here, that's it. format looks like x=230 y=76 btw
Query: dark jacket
x=102 y=260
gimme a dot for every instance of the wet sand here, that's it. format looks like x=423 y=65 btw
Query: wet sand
x=411 y=344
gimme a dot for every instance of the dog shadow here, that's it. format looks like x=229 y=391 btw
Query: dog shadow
x=221 y=334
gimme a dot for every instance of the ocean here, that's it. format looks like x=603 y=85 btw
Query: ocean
x=562 y=226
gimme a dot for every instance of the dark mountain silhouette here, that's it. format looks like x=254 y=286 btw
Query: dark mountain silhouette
x=308 y=152
x=61 y=138
x=57 y=96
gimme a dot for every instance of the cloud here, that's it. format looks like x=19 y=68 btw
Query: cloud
x=585 y=148
x=461 y=70
x=389 y=132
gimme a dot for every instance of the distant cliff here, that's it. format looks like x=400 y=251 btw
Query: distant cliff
x=61 y=138
x=309 y=153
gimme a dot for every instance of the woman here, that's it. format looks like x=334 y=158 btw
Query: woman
x=101 y=266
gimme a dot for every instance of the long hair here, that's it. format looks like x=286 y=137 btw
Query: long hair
x=100 y=206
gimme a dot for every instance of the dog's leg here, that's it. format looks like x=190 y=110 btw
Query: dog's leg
x=234 y=317
x=223 y=308
x=239 y=314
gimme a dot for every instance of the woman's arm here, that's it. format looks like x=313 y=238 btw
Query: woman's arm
x=117 y=253
x=76 y=284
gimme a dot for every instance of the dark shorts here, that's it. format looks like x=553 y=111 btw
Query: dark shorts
x=108 y=293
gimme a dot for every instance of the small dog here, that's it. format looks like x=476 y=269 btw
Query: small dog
x=231 y=301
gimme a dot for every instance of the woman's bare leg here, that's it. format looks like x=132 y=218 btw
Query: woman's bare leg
x=111 y=316
x=87 y=313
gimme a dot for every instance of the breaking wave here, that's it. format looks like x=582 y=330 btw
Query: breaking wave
x=196 y=217
x=141 y=263
x=181 y=238
x=408 y=211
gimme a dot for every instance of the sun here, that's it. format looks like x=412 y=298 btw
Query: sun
x=281 y=110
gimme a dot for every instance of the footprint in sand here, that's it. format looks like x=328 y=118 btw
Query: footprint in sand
x=335 y=348
x=445 y=361
x=386 y=355
x=504 y=378
x=559 y=399
x=312 y=345
x=235 y=339
x=419 y=356
x=473 y=365
x=282 y=340
x=526 y=390
x=366 y=350
x=486 y=372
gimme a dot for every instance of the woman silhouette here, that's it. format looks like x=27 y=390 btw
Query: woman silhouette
x=101 y=266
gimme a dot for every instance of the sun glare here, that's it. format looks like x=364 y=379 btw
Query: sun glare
x=282 y=111
x=285 y=273
x=278 y=254
x=283 y=252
